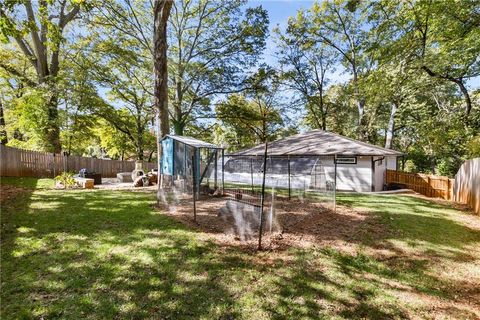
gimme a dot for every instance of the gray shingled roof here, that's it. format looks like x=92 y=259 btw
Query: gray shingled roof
x=192 y=142
x=317 y=143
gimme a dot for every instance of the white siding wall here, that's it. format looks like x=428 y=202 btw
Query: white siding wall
x=355 y=177
x=391 y=162
x=380 y=172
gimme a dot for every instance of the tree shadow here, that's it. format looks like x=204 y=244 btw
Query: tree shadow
x=108 y=254
x=416 y=220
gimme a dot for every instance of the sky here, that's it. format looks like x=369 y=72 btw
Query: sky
x=278 y=13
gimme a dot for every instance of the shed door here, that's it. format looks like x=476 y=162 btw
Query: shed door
x=167 y=156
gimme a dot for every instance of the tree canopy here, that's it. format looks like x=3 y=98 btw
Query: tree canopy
x=78 y=76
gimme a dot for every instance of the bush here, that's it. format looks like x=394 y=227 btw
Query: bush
x=65 y=180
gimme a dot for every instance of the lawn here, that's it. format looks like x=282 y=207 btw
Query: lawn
x=110 y=254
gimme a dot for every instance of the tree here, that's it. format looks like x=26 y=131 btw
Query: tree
x=45 y=22
x=434 y=39
x=161 y=12
x=212 y=44
x=304 y=64
x=341 y=25
x=254 y=116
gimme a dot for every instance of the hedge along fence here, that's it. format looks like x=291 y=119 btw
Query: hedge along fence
x=26 y=163
x=428 y=185
x=467 y=184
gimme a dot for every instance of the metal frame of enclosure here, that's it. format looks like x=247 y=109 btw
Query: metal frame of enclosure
x=291 y=176
x=189 y=166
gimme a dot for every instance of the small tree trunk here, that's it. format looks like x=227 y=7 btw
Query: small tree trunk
x=361 y=130
x=3 y=132
x=391 y=127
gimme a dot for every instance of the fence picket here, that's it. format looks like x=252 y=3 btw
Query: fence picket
x=428 y=185
x=25 y=163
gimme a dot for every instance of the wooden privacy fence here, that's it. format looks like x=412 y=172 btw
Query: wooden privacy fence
x=467 y=184
x=428 y=185
x=25 y=163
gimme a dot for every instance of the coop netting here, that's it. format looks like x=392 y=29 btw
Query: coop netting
x=193 y=174
x=178 y=188
x=306 y=178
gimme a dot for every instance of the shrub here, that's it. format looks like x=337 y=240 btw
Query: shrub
x=65 y=180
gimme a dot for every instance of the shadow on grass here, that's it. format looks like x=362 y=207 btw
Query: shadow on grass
x=416 y=220
x=68 y=254
x=104 y=254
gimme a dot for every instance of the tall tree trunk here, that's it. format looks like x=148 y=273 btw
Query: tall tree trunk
x=361 y=130
x=324 y=112
x=52 y=129
x=391 y=126
x=178 y=127
x=3 y=132
x=140 y=131
x=161 y=12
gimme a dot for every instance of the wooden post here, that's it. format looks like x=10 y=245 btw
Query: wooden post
x=194 y=189
x=215 y=170
x=335 y=185
x=251 y=173
x=263 y=197
x=223 y=171
x=429 y=187
x=288 y=168
x=54 y=165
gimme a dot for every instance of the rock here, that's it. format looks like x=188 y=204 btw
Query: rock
x=138 y=182
x=124 y=177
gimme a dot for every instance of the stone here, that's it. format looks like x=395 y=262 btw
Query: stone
x=124 y=177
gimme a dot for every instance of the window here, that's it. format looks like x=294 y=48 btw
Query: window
x=349 y=160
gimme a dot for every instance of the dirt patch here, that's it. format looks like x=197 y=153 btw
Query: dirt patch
x=7 y=192
x=297 y=224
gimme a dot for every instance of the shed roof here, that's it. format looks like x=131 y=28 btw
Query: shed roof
x=192 y=141
x=318 y=143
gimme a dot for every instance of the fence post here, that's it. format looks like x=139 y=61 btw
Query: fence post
x=194 y=189
x=289 y=186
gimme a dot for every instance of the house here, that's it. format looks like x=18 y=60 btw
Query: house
x=353 y=165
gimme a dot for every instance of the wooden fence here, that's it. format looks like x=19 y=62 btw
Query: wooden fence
x=25 y=163
x=428 y=185
x=467 y=184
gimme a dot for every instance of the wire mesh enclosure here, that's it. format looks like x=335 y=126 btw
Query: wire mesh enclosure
x=293 y=177
x=189 y=169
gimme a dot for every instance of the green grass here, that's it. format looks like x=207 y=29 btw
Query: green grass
x=28 y=183
x=108 y=254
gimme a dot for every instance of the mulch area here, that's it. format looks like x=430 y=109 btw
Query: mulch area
x=7 y=192
x=297 y=224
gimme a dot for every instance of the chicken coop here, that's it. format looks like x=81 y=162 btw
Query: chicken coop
x=190 y=166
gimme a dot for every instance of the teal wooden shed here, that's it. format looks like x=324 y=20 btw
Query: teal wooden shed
x=189 y=159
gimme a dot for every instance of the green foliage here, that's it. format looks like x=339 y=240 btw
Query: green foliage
x=65 y=180
x=473 y=147
x=253 y=117
x=212 y=45
x=27 y=115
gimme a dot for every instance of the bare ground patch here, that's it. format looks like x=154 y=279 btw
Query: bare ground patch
x=299 y=224
x=8 y=192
